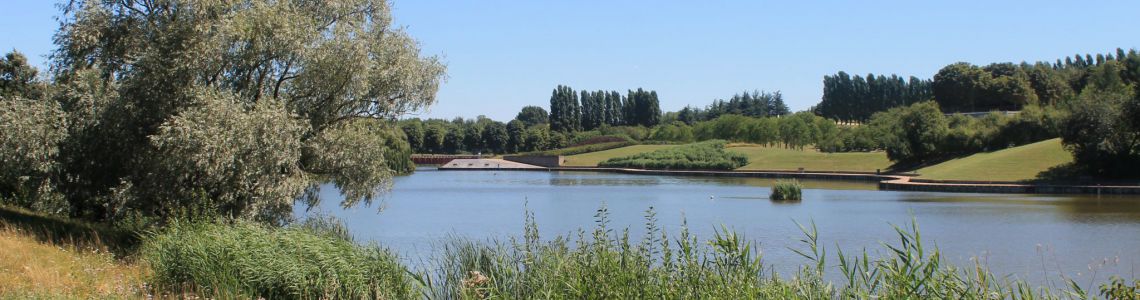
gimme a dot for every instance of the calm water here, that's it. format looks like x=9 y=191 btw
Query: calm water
x=1025 y=235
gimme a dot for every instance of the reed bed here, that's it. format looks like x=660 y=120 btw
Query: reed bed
x=787 y=190
x=313 y=260
x=603 y=264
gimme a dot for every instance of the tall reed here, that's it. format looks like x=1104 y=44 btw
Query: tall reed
x=315 y=260
x=601 y=263
x=787 y=190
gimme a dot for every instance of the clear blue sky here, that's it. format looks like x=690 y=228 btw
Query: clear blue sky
x=502 y=55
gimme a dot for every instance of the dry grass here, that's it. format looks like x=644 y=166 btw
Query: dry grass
x=30 y=269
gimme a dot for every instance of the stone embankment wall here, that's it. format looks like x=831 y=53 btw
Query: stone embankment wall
x=549 y=161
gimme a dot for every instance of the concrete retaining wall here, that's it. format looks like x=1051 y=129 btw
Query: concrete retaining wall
x=548 y=161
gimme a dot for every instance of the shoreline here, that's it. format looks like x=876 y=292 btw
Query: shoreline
x=886 y=182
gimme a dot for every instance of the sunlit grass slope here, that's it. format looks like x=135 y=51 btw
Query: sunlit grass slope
x=1013 y=164
x=776 y=158
x=593 y=158
x=31 y=269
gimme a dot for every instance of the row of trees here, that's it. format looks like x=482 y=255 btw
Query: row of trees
x=856 y=98
x=964 y=87
x=234 y=109
x=795 y=131
x=569 y=113
x=921 y=132
x=751 y=104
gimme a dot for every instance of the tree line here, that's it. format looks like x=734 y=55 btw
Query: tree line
x=595 y=109
x=751 y=104
x=964 y=87
x=855 y=98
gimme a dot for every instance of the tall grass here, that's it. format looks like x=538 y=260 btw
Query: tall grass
x=603 y=264
x=315 y=260
x=708 y=155
x=787 y=190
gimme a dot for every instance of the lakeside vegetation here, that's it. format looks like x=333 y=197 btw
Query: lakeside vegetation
x=317 y=259
x=787 y=190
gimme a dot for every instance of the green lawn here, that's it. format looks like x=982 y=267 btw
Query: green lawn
x=1013 y=164
x=775 y=158
x=760 y=158
x=593 y=158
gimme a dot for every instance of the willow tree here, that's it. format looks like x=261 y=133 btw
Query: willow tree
x=234 y=107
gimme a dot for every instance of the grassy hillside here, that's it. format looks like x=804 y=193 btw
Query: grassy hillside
x=775 y=158
x=49 y=258
x=760 y=158
x=593 y=158
x=1013 y=164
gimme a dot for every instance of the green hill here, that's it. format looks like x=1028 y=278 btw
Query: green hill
x=1013 y=164
x=776 y=158
x=593 y=158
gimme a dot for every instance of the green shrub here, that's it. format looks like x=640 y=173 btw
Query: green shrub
x=787 y=190
x=246 y=260
x=708 y=155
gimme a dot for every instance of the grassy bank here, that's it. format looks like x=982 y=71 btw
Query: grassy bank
x=593 y=158
x=759 y=158
x=1013 y=164
x=707 y=155
x=47 y=258
x=776 y=158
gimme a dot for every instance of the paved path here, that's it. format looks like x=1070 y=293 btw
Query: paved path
x=486 y=164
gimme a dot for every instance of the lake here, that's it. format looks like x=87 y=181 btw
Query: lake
x=1034 y=237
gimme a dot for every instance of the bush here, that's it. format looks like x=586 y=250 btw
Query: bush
x=245 y=260
x=787 y=190
x=709 y=155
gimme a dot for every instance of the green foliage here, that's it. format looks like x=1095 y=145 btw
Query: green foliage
x=312 y=260
x=752 y=104
x=235 y=107
x=1117 y=288
x=603 y=263
x=219 y=151
x=708 y=155
x=787 y=190
x=18 y=79
x=856 y=98
x=912 y=133
x=1104 y=128
x=565 y=111
x=673 y=132
x=533 y=115
x=30 y=134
